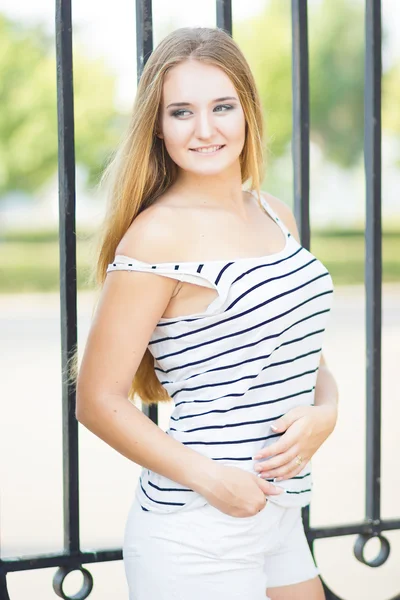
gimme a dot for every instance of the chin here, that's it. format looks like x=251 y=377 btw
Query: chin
x=212 y=168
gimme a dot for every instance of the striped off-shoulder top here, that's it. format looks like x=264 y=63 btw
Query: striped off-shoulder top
x=248 y=358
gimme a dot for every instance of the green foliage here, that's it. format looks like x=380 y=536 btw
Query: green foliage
x=391 y=100
x=336 y=70
x=266 y=43
x=28 y=109
x=337 y=80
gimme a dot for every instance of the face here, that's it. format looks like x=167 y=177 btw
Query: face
x=209 y=114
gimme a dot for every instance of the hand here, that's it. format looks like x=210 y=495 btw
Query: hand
x=237 y=492
x=306 y=427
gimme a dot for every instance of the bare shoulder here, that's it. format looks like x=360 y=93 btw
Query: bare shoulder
x=155 y=235
x=284 y=212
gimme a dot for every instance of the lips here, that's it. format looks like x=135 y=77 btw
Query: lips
x=199 y=151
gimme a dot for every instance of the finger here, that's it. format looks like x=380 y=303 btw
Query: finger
x=290 y=475
x=277 y=461
x=269 y=488
x=285 y=441
x=288 y=419
x=282 y=445
x=285 y=472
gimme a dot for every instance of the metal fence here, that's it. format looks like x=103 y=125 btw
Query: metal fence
x=72 y=558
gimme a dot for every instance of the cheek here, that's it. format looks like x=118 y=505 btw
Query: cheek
x=234 y=128
x=240 y=126
x=176 y=136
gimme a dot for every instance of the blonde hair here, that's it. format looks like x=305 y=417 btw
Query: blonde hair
x=141 y=170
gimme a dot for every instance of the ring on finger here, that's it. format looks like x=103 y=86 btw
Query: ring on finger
x=298 y=460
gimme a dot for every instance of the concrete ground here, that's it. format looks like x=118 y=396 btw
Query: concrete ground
x=31 y=450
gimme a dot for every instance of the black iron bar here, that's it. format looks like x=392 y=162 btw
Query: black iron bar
x=144 y=48
x=55 y=559
x=373 y=262
x=301 y=120
x=66 y=175
x=224 y=15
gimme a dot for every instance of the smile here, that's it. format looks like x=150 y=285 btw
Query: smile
x=211 y=150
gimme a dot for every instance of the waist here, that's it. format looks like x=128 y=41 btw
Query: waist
x=160 y=494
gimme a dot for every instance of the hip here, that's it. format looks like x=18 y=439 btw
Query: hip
x=158 y=494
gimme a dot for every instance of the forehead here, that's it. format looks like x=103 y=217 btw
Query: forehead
x=194 y=81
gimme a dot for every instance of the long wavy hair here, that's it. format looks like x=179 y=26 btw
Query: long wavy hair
x=140 y=169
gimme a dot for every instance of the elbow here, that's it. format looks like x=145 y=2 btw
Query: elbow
x=78 y=410
x=78 y=414
x=80 y=405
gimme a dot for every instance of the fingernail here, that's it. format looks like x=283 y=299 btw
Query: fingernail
x=281 y=489
x=257 y=456
x=274 y=428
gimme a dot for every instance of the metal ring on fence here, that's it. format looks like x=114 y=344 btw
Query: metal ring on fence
x=382 y=556
x=60 y=577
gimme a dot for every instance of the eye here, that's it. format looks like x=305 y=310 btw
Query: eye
x=228 y=106
x=178 y=113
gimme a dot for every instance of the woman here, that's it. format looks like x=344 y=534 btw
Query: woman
x=208 y=299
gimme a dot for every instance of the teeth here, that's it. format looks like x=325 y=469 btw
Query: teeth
x=212 y=149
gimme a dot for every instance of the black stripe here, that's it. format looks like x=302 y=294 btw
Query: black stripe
x=190 y=319
x=242 y=331
x=249 y=310
x=222 y=272
x=235 y=349
x=159 y=501
x=240 y=406
x=289 y=360
x=265 y=281
x=252 y=376
x=243 y=362
x=253 y=387
x=227 y=425
x=202 y=443
x=239 y=458
x=301 y=249
x=164 y=489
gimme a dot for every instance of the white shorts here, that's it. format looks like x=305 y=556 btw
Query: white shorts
x=205 y=554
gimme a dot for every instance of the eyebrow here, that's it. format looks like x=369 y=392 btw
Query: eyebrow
x=189 y=104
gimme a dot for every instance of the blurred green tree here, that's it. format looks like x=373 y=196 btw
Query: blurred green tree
x=391 y=99
x=28 y=113
x=336 y=59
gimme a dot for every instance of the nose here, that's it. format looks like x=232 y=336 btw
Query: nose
x=204 y=125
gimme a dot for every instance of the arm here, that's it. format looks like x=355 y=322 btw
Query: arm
x=129 y=308
x=327 y=393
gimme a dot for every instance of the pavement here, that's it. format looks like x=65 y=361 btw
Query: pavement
x=31 y=451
